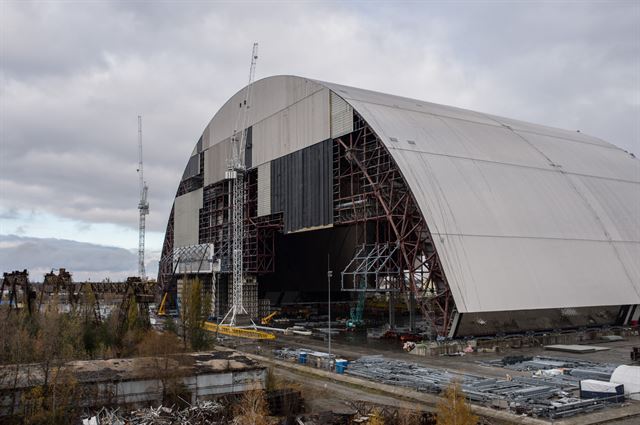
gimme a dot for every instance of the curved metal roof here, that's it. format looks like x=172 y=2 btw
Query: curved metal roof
x=523 y=216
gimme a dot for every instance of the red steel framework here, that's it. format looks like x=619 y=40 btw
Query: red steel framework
x=370 y=191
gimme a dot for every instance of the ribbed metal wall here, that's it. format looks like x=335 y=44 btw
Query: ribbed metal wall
x=264 y=189
x=301 y=187
x=341 y=116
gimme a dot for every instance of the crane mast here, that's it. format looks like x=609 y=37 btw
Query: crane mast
x=143 y=205
x=236 y=171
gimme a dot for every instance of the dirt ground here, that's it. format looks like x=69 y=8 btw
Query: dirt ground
x=329 y=396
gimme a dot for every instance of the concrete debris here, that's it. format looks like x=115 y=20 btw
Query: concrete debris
x=203 y=412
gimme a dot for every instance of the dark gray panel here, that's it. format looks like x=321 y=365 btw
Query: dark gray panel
x=199 y=145
x=192 y=168
x=301 y=187
x=248 y=147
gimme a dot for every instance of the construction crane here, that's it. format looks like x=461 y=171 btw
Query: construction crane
x=143 y=205
x=236 y=171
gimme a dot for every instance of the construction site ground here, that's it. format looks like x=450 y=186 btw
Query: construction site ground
x=332 y=391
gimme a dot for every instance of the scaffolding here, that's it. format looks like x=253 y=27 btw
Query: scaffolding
x=370 y=192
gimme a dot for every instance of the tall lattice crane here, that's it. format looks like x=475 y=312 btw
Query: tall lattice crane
x=143 y=205
x=236 y=171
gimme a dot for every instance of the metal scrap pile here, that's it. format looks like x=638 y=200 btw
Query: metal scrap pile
x=203 y=412
x=546 y=395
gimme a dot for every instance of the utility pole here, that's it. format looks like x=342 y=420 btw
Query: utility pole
x=329 y=275
x=143 y=205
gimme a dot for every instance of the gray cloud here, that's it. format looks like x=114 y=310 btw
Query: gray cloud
x=76 y=74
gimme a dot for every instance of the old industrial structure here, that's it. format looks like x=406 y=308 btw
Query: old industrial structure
x=483 y=223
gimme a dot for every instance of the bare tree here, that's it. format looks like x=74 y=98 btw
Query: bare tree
x=453 y=408
x=251 y=409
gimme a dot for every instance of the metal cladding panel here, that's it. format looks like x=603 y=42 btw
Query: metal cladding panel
x=496 y=274
x=192 y=168
x=422 y=132
x=186 y=219
x=616 y=204
x=355 y=95
x=269 y=95
x=523 y=216
x=341 y=116
x=585 y=158
x=300 y=125
x=467 y=197
x=522 y=126
x=215 y=162
x=301 y=187
x=629 y=253
x=264 y=189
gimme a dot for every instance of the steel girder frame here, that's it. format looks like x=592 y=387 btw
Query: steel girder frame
x=369 y=188
x=165 y=268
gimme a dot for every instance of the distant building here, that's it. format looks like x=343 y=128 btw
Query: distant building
x=493 y=224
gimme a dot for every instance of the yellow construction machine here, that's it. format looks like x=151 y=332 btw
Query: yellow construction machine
x=267 y=319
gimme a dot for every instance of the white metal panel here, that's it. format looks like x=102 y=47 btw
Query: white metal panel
x=586 y=158
x=270 y=95
x=514 y=230
x=341 y=116
x=308 y=121
x=264 y=189
x=186 y=219
x=355 y=95
x=302 y=124
x=522 y=126
x=629 y=254
x=367 y=97
x=421 y=132
x=467 y=197
x=615 y=203
x=215 y=162
x=496 y=274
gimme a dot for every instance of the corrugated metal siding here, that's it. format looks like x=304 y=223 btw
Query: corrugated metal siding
x=523 y=216
x=270 y=95
x=186 y=219
x=264 y=189
x=341 y=116
x=301 y=187
x=296 y=127
x=248 y=148
x=215 y=162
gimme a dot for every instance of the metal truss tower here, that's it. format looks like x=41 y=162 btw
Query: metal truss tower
x=237 y=172
x=143 y=205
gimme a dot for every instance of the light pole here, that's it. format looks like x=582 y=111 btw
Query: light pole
x=329 y=274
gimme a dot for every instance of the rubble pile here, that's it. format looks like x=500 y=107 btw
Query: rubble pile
x=203 y=412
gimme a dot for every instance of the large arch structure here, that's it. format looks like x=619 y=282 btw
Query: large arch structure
x=490 y=223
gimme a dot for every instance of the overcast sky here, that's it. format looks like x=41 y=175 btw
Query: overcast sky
x=75 y=75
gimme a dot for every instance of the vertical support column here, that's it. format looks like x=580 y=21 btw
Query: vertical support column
x=392 y=310
x=412 y=311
